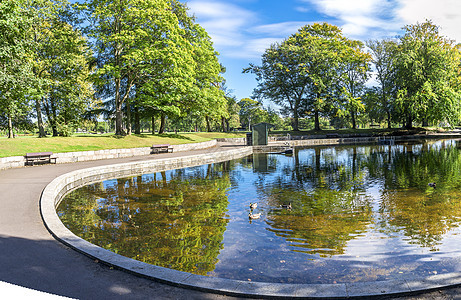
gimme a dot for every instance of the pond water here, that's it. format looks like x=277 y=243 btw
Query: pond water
x=359 y=213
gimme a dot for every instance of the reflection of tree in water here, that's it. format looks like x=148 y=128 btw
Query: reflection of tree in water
x=177 y=222
x=328 y=199
x=331 y=203
x=424 y=214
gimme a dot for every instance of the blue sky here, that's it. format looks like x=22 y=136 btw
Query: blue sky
x=242 y=29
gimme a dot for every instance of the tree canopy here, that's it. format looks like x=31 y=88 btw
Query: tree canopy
x=319 y=73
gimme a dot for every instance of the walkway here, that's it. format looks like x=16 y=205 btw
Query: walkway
x=32 y=258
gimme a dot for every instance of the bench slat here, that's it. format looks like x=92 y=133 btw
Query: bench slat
x=39 y=157
x=39 y=154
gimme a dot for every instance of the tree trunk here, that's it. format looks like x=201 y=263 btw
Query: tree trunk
x=38 y=110
x=409 y=122
x=128 y=117
x=316 y=120
x=10 y=126
x=223 y=123
x=296 y=119
x=389 y=125
x=54 y=117
x=118 y=109
x=208 y=126
x=162 y=123
x=354 y=122
x=153 y=123
x=137 y=122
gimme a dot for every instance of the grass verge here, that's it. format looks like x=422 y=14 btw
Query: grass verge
x=22 y=145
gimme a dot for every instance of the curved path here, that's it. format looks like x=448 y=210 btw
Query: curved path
x=30 y=257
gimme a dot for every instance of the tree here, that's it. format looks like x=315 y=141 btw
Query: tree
x=65 y=61
x=153 y=52
x=384 y=54
x=303 y=74
x=131 y=42
x=282 y=78
x=251 y=112
x=355 y=68
x=320 y=48
x=428 y=76
x=15 y=63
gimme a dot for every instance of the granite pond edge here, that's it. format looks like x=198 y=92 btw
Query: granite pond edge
x=55 y=190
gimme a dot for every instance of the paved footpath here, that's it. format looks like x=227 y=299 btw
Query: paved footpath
x=30 y=257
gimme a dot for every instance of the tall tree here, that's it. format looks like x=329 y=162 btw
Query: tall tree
x=282 y=78
x=321 y=49
x=65 y=59
x=193 y=85
x=251 y=112
x=384 y=59
x=355 y=68
x=131 y=38
x=153 y=49
x=303 y=74
x=428 y=76
x=15 y=63
x=43 y=14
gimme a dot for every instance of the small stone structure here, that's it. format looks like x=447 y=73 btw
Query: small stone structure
x=260 y=133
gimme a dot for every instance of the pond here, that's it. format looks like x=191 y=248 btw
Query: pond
x=358 y=213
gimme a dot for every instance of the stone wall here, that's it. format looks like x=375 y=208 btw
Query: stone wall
x=70 y=157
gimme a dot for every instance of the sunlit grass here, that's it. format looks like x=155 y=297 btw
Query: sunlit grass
x=85 y=142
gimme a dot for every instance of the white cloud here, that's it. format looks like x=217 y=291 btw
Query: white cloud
x=225 y=23
x=445 y=13
x=235 y=31
x=361 y=19
x=373 y=19
x=254 y=48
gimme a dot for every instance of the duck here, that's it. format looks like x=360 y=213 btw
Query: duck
x=286 y=206
x=254 y=216
x=253 y=205
x=432 y=184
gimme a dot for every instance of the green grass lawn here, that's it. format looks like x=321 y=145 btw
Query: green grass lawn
x=85 y=142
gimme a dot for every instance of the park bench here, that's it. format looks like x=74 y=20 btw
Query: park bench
x=40 y=157
x=161 y=148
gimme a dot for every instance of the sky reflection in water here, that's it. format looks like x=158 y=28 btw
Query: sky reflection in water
x=361 y=213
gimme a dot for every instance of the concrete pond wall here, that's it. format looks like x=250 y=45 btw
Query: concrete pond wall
x=61 y=185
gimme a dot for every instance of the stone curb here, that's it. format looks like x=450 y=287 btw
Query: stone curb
x=55 y=190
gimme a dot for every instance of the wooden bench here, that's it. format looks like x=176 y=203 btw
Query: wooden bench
x=41 y=157
x=161 y=148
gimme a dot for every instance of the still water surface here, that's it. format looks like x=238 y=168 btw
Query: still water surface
x=359 y=213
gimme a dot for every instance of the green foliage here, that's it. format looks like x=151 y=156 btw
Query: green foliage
x=316 y=71
x=382 y=98
x=428 y=76
x=251 y=112
x=15 y=63
x=152 y=51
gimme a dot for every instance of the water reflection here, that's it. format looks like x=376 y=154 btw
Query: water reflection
x=357 y=213
x=171 y=219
